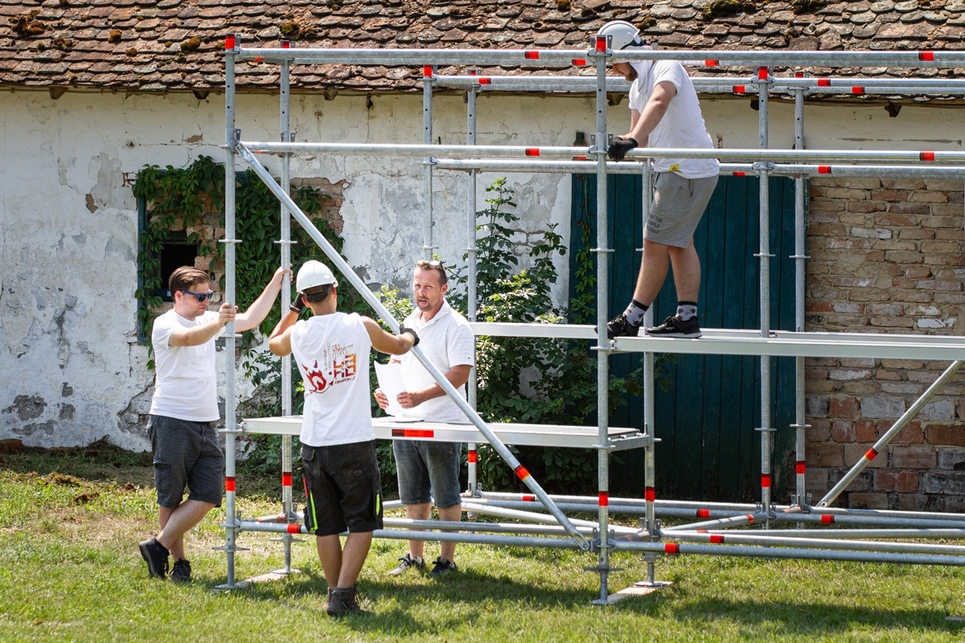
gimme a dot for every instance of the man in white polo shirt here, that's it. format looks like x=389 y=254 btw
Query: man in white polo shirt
x=428 y=471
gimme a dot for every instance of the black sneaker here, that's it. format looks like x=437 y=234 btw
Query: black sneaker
x=407 y=562
x=442 y=567
x=181 y=572
x=620 y=327
x=342 y=601
x=155 y=555
x=674 y=326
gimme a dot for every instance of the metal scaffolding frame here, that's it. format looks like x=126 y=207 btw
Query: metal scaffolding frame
x=706 y=535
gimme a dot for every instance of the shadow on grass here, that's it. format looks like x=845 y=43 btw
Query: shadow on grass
x=800 y=618
x=99 y=461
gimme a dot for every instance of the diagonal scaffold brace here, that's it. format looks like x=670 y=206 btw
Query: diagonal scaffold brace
x=376 y=305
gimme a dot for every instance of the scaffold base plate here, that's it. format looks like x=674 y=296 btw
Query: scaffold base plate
x=270 y=577
x=642 y=588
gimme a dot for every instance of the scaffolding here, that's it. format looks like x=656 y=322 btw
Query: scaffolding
x=705 y=528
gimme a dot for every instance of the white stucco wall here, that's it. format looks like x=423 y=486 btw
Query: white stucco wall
x=71 y=370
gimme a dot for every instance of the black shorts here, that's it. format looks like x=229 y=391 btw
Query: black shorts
x=344 y=488
x=186 y=454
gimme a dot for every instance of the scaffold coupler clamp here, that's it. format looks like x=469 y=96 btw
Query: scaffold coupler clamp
x=232 y=137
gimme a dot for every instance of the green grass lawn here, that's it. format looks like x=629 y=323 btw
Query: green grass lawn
x=70 y=571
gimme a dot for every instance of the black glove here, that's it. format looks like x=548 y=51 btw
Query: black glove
x=619 y=148
x=298 y=305
x=403 y=330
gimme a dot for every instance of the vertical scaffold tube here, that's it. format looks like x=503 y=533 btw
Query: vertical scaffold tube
x=471 y=453
x=800 y=271
x=602 y=300
x=285 y=298
x=231 y=139
x=427 y=73
x=649 y=409
x=766 y=430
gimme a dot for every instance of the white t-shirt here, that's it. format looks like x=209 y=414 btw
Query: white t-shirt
x=682 y=126
x=447 y=341
x=332 y=353
x=185 y=383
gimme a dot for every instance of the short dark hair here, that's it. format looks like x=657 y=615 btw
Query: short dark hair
x=186 y=276
x=425 y=264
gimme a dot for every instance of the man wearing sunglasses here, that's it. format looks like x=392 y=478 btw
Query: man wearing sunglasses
x=185 y=403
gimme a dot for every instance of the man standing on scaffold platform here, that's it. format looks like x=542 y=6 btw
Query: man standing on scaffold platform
x=664 y=113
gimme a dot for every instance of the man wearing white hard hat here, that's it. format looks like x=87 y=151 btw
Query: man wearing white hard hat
x=664 y=113
x=342 y=481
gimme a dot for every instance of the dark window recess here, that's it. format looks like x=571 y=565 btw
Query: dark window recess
x=177 y=252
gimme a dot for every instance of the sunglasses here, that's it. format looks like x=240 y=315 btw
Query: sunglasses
x=200 y=296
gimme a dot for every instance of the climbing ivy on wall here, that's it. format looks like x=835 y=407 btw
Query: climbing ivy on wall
x=192 y=199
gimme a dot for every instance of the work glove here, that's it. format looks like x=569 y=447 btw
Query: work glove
x=619 y=148
x=298 y=305
x=411 y=331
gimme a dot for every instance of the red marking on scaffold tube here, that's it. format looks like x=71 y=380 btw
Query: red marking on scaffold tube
x=740 y=173
x=294 y=528
x=926 y=55
x=857 y=90
x=871 y=454
x=824 y=82
x=532 y=151
x=531 y=55
x=703 y=513
x=649 y=494
x=413 y=433
x=827 y=519
x=762 y=73
x=926 y=156
x=800 y=467
x=750 y=518
x=521 y=472
x=717 y=539
x=824 y=169
x=229 y=42
x=766 y=480
x=473 y=456
x=740 y=89
x=286 y=479
x=579 y=62
x=600 y=44
x=711 y=63
x=285 y=44
x=229 y=484
x=701 y=531
x=799 y=74
x=604 y=499
x=473 y=72
x=529 y=498
x=259 y=59
x=484 y=81
x=671 y=548
x=427 y=71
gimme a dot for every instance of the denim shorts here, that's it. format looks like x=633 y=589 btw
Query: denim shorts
x=186 y=454
x=344 y=490
x=677 y=207
x=428 y=472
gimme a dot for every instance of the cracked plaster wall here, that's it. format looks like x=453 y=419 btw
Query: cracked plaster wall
x=71 y=370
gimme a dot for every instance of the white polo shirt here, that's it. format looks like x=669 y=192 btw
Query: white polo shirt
x=446 y=340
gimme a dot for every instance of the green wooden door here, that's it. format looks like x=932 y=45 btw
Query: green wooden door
x=706 y=420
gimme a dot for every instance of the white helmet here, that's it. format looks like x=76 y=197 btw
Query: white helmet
x=314 y=273
x=620 y=34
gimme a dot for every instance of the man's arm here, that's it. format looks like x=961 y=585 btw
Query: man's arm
x=197 y=335
x=653 y=111
x=260 y=308
x=387 y=342
x=457 y=376
x=280 y=340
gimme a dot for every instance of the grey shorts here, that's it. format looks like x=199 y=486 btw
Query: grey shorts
x=186 y=454
x=676 y=208
x=428 y=472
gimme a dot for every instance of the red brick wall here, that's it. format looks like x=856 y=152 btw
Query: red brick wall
x=886 y=256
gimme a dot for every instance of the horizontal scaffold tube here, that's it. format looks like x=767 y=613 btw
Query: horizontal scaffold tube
x=765 y=538
x=786 y=553
x=534 y=151
x=882 y=534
